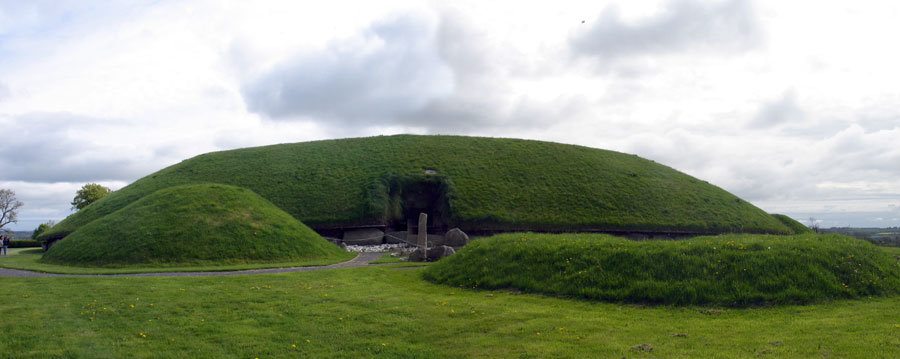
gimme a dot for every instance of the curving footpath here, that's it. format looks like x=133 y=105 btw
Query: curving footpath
x=361 y=260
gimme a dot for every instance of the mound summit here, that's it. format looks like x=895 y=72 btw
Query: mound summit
x=194 y=224
x=476 y=184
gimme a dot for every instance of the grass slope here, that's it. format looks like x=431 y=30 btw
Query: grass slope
x=193 y=224
x=492 y=183
x=796 y=227
x=379 y=312
x=727 y=270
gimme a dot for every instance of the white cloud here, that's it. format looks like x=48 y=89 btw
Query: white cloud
x=680 y=27
x=794 y=112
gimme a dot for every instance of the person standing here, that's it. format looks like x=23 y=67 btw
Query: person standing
x=5 y=239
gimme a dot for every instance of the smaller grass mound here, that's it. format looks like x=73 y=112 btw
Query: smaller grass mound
x=203 y=224
x=732 y=270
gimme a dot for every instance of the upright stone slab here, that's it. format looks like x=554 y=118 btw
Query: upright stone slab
x=422 y=241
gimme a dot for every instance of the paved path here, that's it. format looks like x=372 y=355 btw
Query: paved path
x=361 y=260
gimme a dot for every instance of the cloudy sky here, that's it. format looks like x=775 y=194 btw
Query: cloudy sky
x=793 y=106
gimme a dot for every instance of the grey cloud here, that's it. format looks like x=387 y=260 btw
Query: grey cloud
x=483 y=98
x=436 y=78
x=395 y=71
x=781 y=111
x=59 y=147
x=480 y=98
x=683 y=25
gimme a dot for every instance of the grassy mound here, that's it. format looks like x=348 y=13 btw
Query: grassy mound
x=796 y=227
x=467 y=182
x=728 y=270
x=193 y=224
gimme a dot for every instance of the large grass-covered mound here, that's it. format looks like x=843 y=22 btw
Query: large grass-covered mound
x=468 y=182
x=724 y=270
x=194 y=224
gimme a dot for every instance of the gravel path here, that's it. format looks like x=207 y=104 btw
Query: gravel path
x=361 y=260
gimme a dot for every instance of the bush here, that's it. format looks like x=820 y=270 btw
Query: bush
x=24 y=243
x=43 y=227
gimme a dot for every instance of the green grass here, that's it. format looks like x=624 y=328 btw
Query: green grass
x=733 y=270
x=796 y=227
x=29 y=259
x=263 y=316
x=388 y=258
x=194 y=225
x=489 y=183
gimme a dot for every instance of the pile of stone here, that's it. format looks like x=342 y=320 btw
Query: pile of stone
x=429 y=247
x=385 y=247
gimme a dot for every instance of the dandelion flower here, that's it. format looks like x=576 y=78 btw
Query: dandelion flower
x=307 y=340
x=293 y=345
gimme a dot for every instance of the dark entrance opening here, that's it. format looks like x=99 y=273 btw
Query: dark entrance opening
x=411 y=195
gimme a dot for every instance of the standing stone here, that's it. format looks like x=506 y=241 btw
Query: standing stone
x=422 y=239
x=456 y=238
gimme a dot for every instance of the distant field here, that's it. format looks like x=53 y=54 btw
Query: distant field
x=474 y=183
x=21 y=235
x=879 y=236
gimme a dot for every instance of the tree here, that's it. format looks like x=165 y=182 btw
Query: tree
x=9 y=207
x=88 y=194
x=41 y=229
x=814 y=224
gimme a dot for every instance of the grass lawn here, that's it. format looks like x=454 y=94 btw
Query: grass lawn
x=392 y=313
x=28 y=259
x=388 y=258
